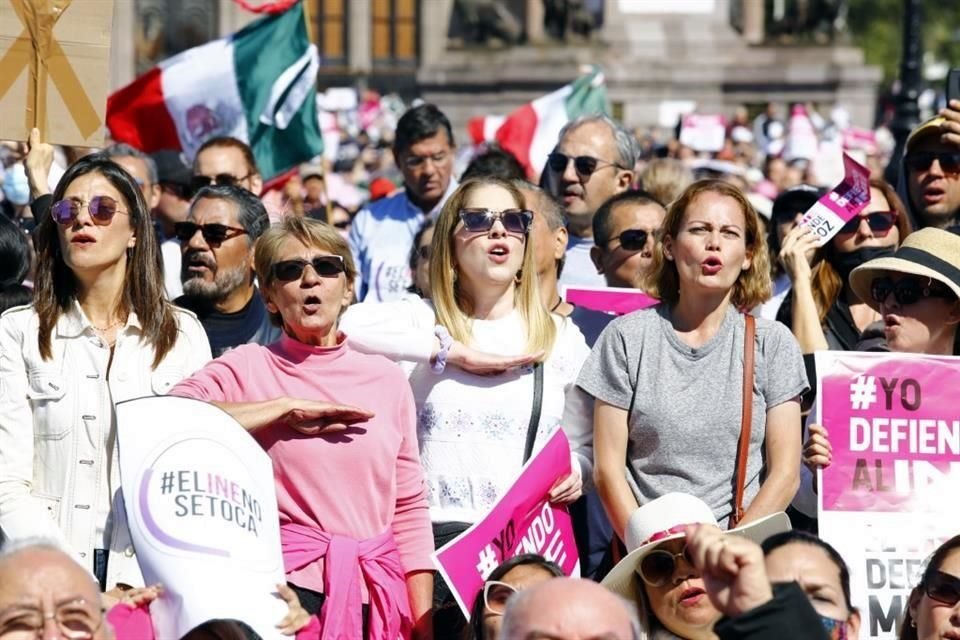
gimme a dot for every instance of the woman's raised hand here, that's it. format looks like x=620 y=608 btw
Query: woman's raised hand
x=796 y=253
x=312 y=417
x=486 y=364
x=732 y=569
x=817 y=452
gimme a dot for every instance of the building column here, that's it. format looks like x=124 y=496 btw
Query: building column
x=753 y=21
x=534 y=21
x=123 y=35
x=359 y=36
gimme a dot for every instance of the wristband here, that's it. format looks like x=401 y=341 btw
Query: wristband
x=446 y=341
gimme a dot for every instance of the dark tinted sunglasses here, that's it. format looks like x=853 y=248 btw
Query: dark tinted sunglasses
x=213 y=233
x=324 y=266
x=101 y=208
x=632 y=239
x=943 y=588
x=342 y=224
x=181 y=191
x=199 y=182
x=921 y=160
x=906 y=291
x=657 y=567
x=880 y=223
x=583 y=165
x=482 y=220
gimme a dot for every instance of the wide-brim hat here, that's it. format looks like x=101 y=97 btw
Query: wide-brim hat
x=925 y=130
x=665 y=519
x=930 y=253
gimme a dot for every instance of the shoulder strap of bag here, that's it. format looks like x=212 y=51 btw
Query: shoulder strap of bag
x=743 y=446
x=535 y=412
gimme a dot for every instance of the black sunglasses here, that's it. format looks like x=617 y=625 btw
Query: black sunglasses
x=583 y=165
x=198 y=182
x=324 y=266
x=921 y=160
x=177 y=190
x=342 y=224
x=632 y=239
x=482 y=220
x=943 y=588
x=101 y=208
x=906 y=291
x=213 y=233
x=880 y=223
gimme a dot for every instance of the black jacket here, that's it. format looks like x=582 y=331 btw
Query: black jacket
x=789 y=616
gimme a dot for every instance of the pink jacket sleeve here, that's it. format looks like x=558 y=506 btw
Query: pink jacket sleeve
x=411 y=520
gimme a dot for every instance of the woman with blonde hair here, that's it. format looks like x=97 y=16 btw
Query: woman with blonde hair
x=672 y=396
x=481 y=408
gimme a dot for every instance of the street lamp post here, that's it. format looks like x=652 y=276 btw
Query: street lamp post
x=907 y=114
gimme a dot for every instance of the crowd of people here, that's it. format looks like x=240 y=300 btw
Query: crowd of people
x=422 y=349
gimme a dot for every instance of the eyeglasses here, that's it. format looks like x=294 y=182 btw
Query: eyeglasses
x=496 y=594
x=76 y=620
x=225 y=179
x=415 y=162
x=880 y=223
x=921 y=160
x=657 y=567
x=943 y=587
x=213 y=233
x=906 y=291
x=482 y=220
x=101 y=208
x=323 y=266
x=632 y=239
x=583 y=165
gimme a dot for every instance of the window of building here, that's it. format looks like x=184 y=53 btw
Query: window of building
x=395 y=33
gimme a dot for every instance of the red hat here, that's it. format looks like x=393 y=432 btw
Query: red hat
x=381 y=187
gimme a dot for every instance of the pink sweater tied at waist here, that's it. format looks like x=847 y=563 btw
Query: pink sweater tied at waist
x=341 y=617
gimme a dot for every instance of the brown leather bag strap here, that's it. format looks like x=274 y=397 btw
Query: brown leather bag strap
x=743 y=446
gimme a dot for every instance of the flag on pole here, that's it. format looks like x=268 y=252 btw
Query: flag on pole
x=530 y=133
x=257 y=85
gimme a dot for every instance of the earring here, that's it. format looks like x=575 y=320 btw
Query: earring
x=913 y=623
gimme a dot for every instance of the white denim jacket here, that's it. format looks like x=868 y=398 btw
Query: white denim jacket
x=59 y=475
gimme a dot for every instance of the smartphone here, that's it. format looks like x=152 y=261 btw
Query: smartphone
x=953 y=85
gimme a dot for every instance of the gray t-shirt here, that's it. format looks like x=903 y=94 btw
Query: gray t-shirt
x=686 y=413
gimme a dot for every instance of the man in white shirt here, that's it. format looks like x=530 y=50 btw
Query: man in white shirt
x=593 y=161
x=381 y=235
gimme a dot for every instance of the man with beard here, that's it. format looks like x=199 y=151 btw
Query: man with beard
x=217 y=241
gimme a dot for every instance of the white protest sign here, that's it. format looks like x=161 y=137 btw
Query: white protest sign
x=202 y=510
x=828 y=214
x=703 y=132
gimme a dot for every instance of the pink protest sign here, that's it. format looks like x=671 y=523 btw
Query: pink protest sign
x=522 y=521
x=617 y=300
x=846 y=200
x=894 y=428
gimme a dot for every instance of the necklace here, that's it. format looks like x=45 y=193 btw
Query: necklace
x=108 y=327
x=559 y=302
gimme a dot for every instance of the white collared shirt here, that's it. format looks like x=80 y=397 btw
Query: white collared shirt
x=59 y=475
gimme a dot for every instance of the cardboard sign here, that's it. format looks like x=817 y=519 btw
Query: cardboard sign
x=616 y=300
x=703 y=132
x=55 y=69
x=894 y=426
x=522 y=521
x=202 y=510
x=828 y=214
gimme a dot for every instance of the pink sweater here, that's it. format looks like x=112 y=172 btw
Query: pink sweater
x=359 y=483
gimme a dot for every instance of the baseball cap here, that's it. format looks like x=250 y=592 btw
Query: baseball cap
x=172 y=167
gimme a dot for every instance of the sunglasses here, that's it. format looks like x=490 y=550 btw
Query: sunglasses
x=224 y=179
x=342 y=224
x=583 y=165
x=177 y=190
x=921 y=161
x=213 y=233
x=906 y=291
x=880 y=223
x=495 y=596
x=657 y=567
x=101 y=208
x=632 y=239
x=482 y=220
x=943 y=587
x=323 y=266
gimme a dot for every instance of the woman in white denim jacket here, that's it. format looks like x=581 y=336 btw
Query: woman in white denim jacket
x=100 y=331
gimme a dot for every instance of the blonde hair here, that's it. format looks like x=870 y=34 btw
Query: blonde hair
x=311 y=233
x=453 y=307
x=752 y=286
x=665 y=179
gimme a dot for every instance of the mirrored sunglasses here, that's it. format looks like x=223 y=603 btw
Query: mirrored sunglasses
x=880 y=223
x=101 y=208
x=213 y=233
x=323 y=266
x=906 y=291
x=482 y=220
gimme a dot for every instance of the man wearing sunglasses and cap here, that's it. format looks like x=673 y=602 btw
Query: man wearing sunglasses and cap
x=592 y=162
x=930 y=177
x=217 y=241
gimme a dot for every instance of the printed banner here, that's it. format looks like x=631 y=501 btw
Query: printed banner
x=616 y=300
x=202 y=511
x=522 y=521
x=894 y=426
x=703 y=132
x=846 y=200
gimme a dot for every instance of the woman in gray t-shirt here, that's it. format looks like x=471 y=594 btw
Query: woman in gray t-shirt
x=668 y=380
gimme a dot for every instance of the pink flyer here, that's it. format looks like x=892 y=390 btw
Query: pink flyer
x=846 y=200
x=617 y=300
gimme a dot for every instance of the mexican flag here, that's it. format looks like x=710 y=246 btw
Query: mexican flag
x=530 y=133
x=258 y=85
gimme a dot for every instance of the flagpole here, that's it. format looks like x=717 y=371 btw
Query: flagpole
x=312 y=35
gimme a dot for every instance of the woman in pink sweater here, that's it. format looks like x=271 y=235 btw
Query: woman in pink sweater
x=350 y=489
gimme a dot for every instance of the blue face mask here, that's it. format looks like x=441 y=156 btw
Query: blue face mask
x=16 y=189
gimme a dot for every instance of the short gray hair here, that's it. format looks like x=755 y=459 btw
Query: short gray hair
x=509 y=630
x=626 y=144
x=547 y=205
x=123 y=150
x=251 y=214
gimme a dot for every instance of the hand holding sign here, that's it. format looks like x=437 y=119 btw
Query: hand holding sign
x=797 y=253
x=567 y=489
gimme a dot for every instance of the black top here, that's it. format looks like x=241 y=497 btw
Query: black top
x=228 y=330
x=788 y=616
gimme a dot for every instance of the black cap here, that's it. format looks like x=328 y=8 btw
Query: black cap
x=172 y=167
x=795 y=200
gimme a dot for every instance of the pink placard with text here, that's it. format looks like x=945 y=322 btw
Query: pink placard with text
x=846 y=200
x=522 y=521
x=616 y=300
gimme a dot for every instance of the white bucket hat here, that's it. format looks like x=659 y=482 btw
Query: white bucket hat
x=665 y=519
